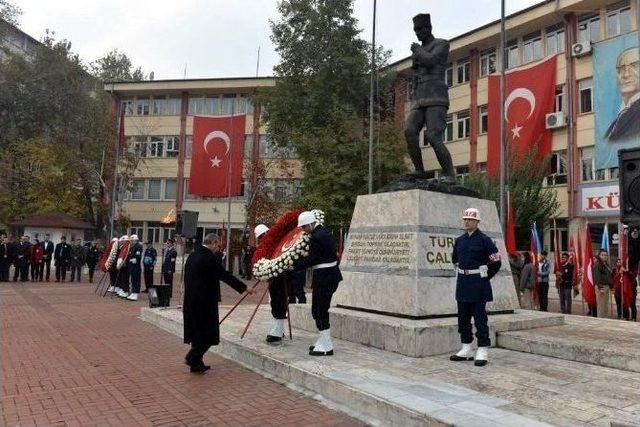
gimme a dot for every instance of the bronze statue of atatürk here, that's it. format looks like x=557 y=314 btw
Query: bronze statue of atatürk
x=429 y=98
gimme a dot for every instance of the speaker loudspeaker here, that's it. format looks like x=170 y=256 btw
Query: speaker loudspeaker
x=629 y=172
x=187 y=224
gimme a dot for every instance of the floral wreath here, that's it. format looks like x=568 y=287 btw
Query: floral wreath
x=265 y=267
x=113 y=252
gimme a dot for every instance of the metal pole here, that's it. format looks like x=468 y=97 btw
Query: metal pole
x=115 y=174
x=503 y=148
x=371 y=99
x=229 y=164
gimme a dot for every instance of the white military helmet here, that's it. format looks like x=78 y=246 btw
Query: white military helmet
x=260 y=230
x=124 y=238
x=471 y=213
x=134 y=237
x=115 y=239
x=305 y=218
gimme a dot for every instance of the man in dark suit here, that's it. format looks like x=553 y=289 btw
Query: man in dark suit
x=5 y=259
x=627 y=122
x=48 y=254
x=62 y=257
x=323 y=260
x=168 y=268
x=202 y=277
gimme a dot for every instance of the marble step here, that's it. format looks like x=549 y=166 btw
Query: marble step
x=383 y=388
x=603 y=342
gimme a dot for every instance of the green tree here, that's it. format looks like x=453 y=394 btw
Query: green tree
x=320 y=104
x=531 y=200
x=9 y=13
x=116 y=66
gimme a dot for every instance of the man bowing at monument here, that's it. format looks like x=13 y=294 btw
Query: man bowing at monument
x=476 y=260
x=202 y=278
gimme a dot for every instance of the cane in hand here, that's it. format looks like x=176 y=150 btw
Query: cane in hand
x=242 y=297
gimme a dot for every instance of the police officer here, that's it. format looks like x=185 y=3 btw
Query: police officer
x=323 y=260
x=61 y=257
x=135 y=269
x=168 y=269
x=149 y=262
x=476 y=260
x=277 y=296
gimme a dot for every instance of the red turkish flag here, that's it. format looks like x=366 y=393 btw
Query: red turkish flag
x=588 y=285
x=529 y=96
x=217 y=146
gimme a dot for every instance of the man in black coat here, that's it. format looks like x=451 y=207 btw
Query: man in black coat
x=5 y=258
x=62 y=258
x=202 y=277
x=323 y=260
x=48 y=254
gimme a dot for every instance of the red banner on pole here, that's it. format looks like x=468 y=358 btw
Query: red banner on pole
x=218 y=144
x=529 y=96
x=588 y=286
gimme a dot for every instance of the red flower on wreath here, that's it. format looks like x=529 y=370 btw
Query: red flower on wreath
x=273 y=238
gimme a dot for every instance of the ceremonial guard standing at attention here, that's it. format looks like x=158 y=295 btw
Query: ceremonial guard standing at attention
x=277 y=297
x=323 y=260
x=149 y=261
x=135 y=269
x=122 y=281
x=48 y=254
x=62 y=256
x=169 y=267
x=77 y=260
x=477 y=260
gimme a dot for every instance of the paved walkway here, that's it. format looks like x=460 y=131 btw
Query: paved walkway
x=71 y=358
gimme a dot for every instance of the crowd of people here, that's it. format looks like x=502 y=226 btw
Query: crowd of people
x=33 y=260
x=532 y=286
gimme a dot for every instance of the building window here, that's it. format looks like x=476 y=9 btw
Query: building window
x=618 y=21
x=153 y=234
x=153 y=191
x=173 y=106
x=512 y=54
x=557 y=169
x=188 y=149
x=589 y=172
x=127 y=106
x=173 y=143
x=448 y=131
x=483 y=113
x=559 y=101
x=531 y=48
x=462 y=124
x=244 y=105
x=282 y=191
x=170 y=189
x=137 y=189
x=462 y=71
x=142 y=106
x=461 y=173
x=139 y=146
x=448 y=76
x=586 y=97
x=158 y=106
x=187 y=195
x=137 y=228
x=212 y=106
x=487 y=62
x=228 y=103
x=168 y=233
x=196 y=105
x=589 y=30
x=555 y=40
x=155 y=147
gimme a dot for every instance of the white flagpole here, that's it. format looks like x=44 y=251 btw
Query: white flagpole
x=503 y=151
x=229 y=165
x=371 y=99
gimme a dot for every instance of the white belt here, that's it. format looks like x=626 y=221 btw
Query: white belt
x=325 y=265
x=466 y=272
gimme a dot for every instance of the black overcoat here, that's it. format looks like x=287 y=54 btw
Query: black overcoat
x=201 y=292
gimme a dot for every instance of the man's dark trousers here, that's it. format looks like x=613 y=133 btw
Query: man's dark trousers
x=544 y=296
x=477 y=310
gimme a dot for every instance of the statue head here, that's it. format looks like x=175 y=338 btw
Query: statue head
x=422 y=26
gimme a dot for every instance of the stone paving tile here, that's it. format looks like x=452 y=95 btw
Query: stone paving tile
x=72 y=358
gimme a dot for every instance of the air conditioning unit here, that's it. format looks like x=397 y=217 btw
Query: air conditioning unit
x=554 y=120
x=581 y=49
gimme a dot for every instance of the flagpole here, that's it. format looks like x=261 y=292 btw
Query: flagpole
x=115 y=173
x=229 y=165
x=371 y=100
x=503 y=154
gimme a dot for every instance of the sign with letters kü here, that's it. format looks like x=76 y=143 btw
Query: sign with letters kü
x=600 y=200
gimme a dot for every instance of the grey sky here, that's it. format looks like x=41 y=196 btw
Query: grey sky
x=220 y=38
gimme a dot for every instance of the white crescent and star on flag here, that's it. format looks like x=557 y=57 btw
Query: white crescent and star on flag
x=518 y=93
x=217 y=134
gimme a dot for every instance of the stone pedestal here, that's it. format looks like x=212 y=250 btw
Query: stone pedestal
x=397 y=259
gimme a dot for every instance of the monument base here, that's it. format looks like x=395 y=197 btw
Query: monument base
x=406 y=316
x=410 y=337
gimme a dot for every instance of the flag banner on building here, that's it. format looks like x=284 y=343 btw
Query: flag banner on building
x=122 y=140
x=616 y=98
x=529 y=96
x=588 y=286
x=218 y=144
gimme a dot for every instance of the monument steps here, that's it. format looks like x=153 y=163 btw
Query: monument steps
x=602 y=342
x=385 y=388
